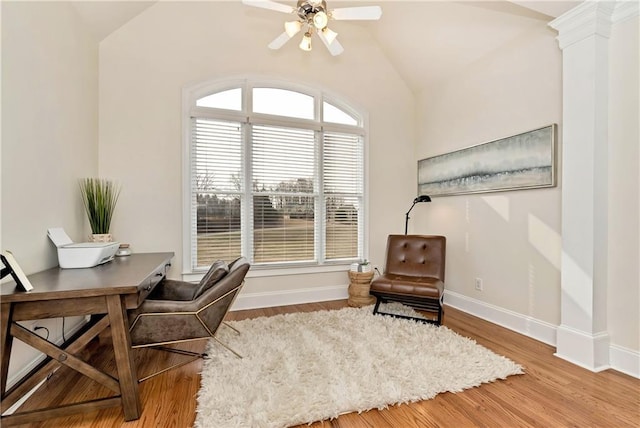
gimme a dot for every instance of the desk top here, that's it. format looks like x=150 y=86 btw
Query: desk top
x=123 y=275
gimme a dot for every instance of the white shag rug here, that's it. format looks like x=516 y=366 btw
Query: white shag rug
x=305 y=367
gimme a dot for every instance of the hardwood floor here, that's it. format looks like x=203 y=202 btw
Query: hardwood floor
x=552 y=393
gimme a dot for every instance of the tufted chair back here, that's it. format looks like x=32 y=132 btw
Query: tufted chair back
x=416 y=255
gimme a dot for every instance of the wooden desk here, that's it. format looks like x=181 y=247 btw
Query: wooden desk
x=109 y=289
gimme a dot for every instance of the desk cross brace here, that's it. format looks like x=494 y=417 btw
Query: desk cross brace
x=64 y=355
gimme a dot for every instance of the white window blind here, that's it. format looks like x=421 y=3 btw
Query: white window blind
x=216 y=189
x=281 y=188
x=283 y=194
x=343 y=193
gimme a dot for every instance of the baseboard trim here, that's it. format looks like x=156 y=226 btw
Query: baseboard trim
x=619 y=358
x=270 y=299
x=625 y=360
x=531 y=327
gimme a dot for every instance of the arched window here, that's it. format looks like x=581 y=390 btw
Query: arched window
x=275 y=173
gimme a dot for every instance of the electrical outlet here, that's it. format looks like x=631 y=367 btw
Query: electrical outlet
x=479 y=286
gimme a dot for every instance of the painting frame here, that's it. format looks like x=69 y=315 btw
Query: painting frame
x=522 y=161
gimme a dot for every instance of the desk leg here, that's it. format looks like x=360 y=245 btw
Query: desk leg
x=124 y=357
x=6 y=340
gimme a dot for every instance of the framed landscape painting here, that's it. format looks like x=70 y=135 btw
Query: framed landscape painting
x=522 y=161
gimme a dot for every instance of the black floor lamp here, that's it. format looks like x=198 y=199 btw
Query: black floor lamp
x=421 y=198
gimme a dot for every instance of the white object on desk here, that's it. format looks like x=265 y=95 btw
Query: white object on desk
x=15 y=270
x=80 y=255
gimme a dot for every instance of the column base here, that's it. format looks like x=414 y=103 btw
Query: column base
x=587 y=350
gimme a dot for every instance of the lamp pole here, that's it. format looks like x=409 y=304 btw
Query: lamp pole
x=421 y=198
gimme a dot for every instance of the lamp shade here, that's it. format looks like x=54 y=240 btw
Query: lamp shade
x=305 y=44
x=292 y=27
x=422 y=198
x=329 y=35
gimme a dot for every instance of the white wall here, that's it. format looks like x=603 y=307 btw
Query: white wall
x=513 y=239
x=49 y=134
x=144 y=67
x=510 y=239
x=623 y=295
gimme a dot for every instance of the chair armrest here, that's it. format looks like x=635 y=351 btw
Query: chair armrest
x=170 y=289
x=165 y=306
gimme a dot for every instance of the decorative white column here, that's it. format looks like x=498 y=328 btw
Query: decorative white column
x=582 y=336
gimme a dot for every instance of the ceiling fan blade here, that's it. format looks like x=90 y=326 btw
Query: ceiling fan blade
x=335 y=48
x=279 y=41
x=353 y=13
x=268 y=4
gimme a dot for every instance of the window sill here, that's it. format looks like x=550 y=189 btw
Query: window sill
x=258 y=272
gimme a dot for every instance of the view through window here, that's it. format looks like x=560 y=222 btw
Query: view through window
x=281 y=182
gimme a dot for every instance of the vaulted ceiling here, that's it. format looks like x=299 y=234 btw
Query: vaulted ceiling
x=424 y=40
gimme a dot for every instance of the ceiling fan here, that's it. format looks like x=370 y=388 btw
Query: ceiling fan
x=313 y=16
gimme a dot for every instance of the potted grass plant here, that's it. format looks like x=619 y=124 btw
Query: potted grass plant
x=99 y=197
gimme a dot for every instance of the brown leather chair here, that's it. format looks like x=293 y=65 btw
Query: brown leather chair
x=179 y=311
x=413 y=274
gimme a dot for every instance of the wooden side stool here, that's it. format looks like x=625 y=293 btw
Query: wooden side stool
x=359 y=289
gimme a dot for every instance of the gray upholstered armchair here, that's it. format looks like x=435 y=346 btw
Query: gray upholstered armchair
x=178 y=311
x=413 y=274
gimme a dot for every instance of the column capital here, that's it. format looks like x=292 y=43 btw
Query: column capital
x=590 y=18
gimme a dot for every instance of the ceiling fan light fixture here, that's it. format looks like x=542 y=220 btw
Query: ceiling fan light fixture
x=320 y=20
x=313 y=16
x=292 y=27
x=329 y=35
x=305 y=44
